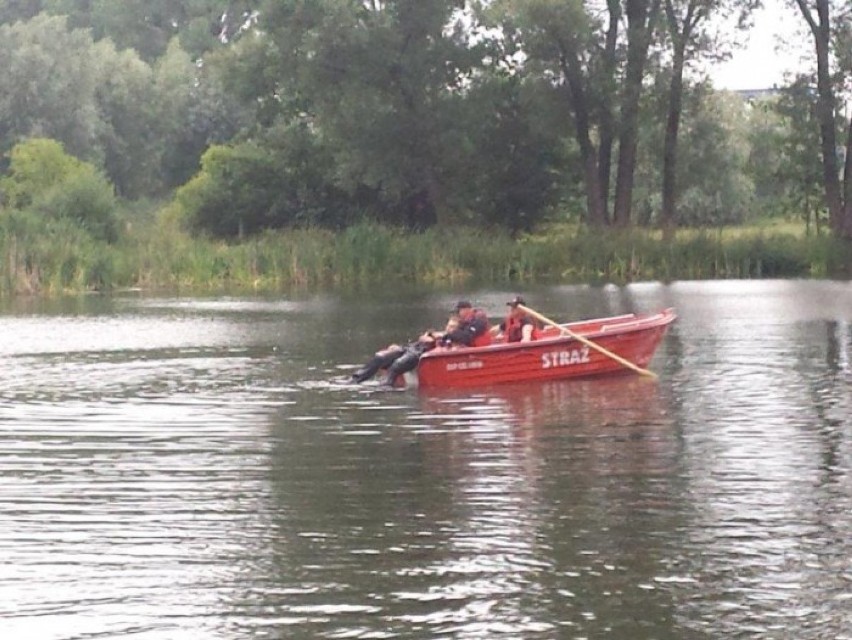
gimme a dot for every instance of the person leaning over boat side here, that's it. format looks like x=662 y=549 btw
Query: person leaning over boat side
x=399 y=359
x=518 y=326
x=473 y=330
x=411 y=358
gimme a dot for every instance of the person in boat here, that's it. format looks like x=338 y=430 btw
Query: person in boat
x=518 y=325
x=398 y=359
x=473 y=330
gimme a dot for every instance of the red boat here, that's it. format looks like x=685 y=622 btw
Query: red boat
x=621 y=343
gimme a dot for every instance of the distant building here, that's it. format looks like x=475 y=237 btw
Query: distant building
x=750 y=95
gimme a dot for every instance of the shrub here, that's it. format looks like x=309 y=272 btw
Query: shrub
x=47 y=181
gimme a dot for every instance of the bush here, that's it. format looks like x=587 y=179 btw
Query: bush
x=48 y=182
x=86 y=199
x=247 y=188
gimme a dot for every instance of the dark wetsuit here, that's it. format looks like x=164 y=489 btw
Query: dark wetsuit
x=397 y=361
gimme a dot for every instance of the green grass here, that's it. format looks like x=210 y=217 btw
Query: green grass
x=58 y=257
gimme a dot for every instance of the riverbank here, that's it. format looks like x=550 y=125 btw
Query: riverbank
x=151 y=258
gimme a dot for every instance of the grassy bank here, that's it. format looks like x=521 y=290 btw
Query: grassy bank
x=64 y=258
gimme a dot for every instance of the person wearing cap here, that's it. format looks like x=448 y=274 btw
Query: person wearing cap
x=518 y=326
x=473 y=330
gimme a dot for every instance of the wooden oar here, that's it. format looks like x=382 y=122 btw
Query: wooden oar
x=587 y=342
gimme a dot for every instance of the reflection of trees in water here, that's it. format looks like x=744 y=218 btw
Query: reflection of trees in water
x=588 y=468
x=837 y=341
x=465 y=515
x=366 y=519
x=830 y=396
x=766 y=459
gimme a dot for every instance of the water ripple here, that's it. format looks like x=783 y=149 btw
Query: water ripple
x=176 y=470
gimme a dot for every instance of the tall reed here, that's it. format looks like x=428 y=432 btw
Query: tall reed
x=40 y=258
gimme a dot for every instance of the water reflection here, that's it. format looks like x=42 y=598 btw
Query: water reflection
x=190 y=468
x=767 y=470
x=458 y=523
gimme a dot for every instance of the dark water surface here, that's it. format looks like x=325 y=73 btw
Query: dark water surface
x=186 y=468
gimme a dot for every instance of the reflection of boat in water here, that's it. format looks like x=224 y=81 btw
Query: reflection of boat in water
x=605 y=426
x=586 y=404
x=553 y=356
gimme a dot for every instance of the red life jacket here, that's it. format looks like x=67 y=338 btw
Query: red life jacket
x=514 y=328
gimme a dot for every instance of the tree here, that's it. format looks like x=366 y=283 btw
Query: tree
x=248 y=187
x=641 y=23
x=45 y=179
x=194 y=110
x=558 y=39
x=146 y=127
x=12 y=11
x=513 y=173
x=48 y=76
x=147 y=26
x=827 y=31
x=717 y=188
x=685 y=20
x=377 y=81
x=567 y=43
x=130 y=136
x=716 y=185
x=796 y=176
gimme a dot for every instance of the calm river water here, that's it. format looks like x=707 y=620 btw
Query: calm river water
x=188 y=469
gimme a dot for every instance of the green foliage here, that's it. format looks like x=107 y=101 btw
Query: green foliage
x=43 y=179
x=247 y=188
x=798 y=175
x=48 y=76
x=716 y=189
x=16 y=10
x=147 y=26
x=408 y=113
x=390 y=122
x=146 y=126
x=51 y=255
x=194 y=110
x=57 y=255
x=235 y=191
x=85 y=198
x=766 y=130
x=514 y=174
x=131 y=132
x=35 y=167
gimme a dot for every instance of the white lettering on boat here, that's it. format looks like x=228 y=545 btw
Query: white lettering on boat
x=565 y=358
x=465 y=366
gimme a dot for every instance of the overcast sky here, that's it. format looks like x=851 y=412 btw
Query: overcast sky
x=775 y=45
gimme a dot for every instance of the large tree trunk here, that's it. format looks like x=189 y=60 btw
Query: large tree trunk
x=825 y=114
x=640 y=21
x=668 y=216
x=579 y=102
x=607 y=127
x=680 y=31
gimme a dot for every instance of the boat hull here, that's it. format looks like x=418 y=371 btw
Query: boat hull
x=554 y=356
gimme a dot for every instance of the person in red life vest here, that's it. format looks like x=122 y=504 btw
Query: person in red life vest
x=473 y=330
x=518 y=326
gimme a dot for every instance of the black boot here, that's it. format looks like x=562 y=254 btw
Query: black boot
x=379 y=361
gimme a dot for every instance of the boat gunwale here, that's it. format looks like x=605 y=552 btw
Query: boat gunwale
x=633 y=323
